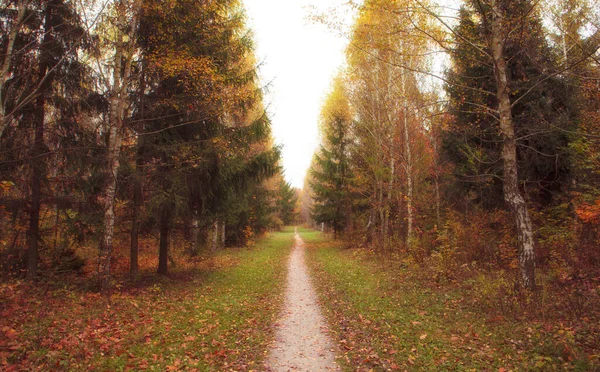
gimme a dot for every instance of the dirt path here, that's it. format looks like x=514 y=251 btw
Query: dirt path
x=301 y=340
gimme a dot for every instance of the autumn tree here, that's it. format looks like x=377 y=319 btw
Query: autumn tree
x=119 y=48
x=386 y=57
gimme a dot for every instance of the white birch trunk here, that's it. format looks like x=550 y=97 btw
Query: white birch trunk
x=408 y=167
x=381 y=209
x=512 y=194
x=563 y=38
x=123 y=58
x=5 y=73
x=222 y=235
x=195 y=236
x=215 y=236
x=389 y=193
x=436 y=176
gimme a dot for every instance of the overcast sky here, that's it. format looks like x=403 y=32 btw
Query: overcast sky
x=300 y=59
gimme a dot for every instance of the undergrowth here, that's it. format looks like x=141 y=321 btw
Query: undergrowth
x=389 y=316
x=216 y=316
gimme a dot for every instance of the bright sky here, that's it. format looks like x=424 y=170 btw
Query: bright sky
x=300 y=59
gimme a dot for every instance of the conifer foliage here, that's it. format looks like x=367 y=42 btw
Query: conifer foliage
x=134 y=117
x=330 y=177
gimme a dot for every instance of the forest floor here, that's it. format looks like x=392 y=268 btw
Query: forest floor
x=387 y=318
x=302 y=340
x=218 y=313
x=214 y=314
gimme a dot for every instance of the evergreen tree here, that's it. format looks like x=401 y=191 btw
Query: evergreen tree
x=208 y=131
x=542 y=110
x=286 y=202
x=331 y=174
x=42 y=79
x=511 y=114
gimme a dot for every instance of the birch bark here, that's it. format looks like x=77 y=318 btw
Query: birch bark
x=408 y=165
x=512 y=194
x=5 y=74
x=122 y=63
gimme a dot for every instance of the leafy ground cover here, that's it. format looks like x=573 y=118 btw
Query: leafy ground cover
x=213 y=315
x=386 y=319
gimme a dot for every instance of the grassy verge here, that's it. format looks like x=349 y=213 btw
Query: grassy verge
x=216 y=317
x=384 y=319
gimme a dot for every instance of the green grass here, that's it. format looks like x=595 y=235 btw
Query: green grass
x=218 y=317
x=385 y=321
x=310 y=235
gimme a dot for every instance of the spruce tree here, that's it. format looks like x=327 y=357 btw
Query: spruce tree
x=542 y=110
x=208 y=134
x=331 y=174
x=42 y=79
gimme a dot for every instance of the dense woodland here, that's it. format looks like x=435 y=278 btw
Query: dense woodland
x=467 y=142
x=131 y=120
x=457 y=183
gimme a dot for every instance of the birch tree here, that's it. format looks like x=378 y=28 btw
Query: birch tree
x=510 y=102
x=14 y=25
x=385 y=55
x=121 y=40
x=512 y=194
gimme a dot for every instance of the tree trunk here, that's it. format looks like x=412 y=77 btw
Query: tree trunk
x=215 y=236
x=369 y=228
x=512 y=194
x=195 y=236
x=563 y=39
x=163 y=250
x=112 y=166
x=137 y=187
x=223 y=225
x=382 y=222
x=135 y=225
x=436 y=180
x=8 y=54
x=121 y=73
x=114 y=148
x=37 y=163
x=390 y=189
x=438 y=202
x=187 y=227
x=37 y=173
x=408 y=166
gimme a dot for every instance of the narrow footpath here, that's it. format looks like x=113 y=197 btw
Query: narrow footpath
x=301 y=340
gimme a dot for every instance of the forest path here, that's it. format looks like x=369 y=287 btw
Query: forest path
x=301 y=340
